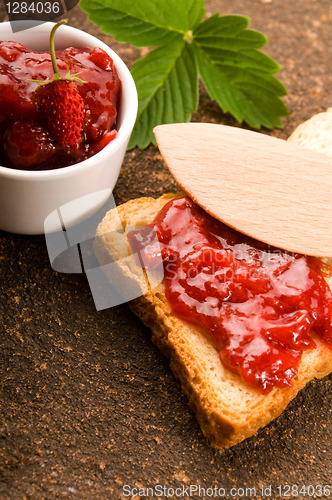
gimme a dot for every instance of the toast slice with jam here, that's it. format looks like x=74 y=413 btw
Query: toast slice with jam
x=228 y=408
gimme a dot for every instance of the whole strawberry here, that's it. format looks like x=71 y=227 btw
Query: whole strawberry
x=59 y=104
x=62 y=111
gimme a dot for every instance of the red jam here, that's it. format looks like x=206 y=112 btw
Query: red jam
x=259 y=303
x=24 y=143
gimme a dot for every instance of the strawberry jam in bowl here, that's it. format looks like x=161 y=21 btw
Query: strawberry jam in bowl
x=65 y=122
x=29 y=126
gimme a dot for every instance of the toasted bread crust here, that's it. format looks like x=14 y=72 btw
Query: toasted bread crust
x=227 y=410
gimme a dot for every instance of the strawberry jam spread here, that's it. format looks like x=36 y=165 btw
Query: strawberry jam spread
x=25 y=143
x=260 y=304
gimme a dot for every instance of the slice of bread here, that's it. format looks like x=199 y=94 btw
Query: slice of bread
x=315 y=133
x=227 y=409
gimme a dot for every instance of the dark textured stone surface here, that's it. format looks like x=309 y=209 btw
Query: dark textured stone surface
x=87 y=402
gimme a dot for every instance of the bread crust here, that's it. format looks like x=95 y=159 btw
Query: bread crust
x=227 y=410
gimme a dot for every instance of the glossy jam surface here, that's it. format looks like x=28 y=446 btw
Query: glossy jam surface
x=24 y=143
x=259 y=303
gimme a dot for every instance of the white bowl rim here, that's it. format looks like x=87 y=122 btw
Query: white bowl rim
x=111 y=148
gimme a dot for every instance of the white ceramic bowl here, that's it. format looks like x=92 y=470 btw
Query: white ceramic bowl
x=27 y=197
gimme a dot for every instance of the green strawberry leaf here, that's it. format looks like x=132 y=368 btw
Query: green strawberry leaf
x=221 y=49
x=228 y=33
x=166 y=81
x=239 y=95
x=237 y=75
x=236 y=48
x=245 y=40
x=229 y=25
x=145 y=22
